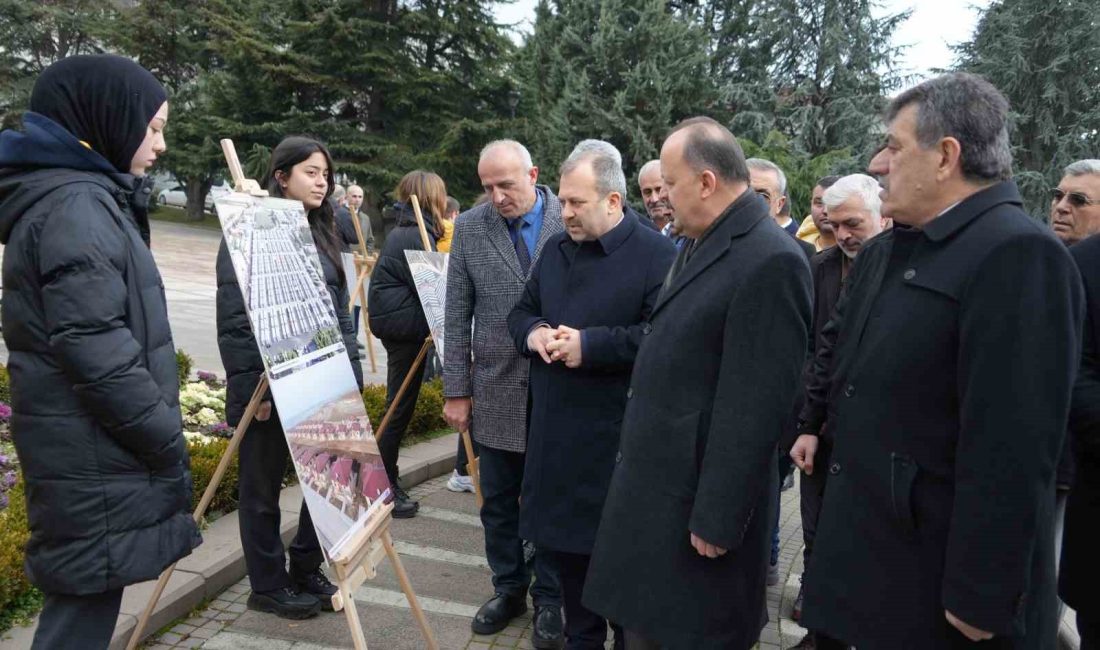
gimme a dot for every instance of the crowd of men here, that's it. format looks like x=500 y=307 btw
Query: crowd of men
x=640 y=386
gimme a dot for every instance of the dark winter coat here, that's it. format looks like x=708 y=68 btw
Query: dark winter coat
x=95 y=391
x=713 y=385
x=392 y=302
x=1080 y=564
x=606 y=289
x=237 y=344
x=946 y=372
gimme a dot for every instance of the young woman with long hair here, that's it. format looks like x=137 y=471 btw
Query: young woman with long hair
x=301 y=169
x=396 y=316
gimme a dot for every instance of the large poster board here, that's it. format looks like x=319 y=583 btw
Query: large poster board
x=312 y=383
x=429 y=272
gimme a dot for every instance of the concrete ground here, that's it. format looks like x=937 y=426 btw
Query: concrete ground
x=186 y=256
x=443 y=551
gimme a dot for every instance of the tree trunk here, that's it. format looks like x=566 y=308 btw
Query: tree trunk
x=197 y=189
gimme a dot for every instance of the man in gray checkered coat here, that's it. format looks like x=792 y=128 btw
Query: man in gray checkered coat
x=495 y=247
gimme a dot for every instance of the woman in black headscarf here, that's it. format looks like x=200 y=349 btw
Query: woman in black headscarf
x=95 y=394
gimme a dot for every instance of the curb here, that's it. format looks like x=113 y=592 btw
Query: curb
x=219 y=561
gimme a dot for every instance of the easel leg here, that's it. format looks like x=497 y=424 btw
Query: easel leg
x=404 y=386
x=366 y=329
x=357 y=636
x=204 y=503
x=472 y=466
x=406 y=586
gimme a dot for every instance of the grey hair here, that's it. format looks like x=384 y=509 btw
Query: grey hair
x=1083 y=167
x=515 y=147
x=861 y=185
x=607 y=165
x=646 y=167
x=968 y=108
x=338 y=192
x=760 y=164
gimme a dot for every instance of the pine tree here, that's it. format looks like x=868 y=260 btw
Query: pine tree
x=35 y=34
x=1044 y=57
x=619 y=70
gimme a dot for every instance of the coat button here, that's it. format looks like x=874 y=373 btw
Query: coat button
x=834 y=469
x=629 y=393
x=849 y=390
x=647 y=328
x=910 y=274
x=619 y=457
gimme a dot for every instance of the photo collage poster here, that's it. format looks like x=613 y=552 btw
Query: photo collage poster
x=312 y=382
x=429 y=272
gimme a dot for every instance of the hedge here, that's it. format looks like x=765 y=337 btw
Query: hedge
x=19 y=600
x=427 y=419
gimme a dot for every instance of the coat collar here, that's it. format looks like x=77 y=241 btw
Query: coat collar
x=740 y=217
x=970 y=208
x=502 y=241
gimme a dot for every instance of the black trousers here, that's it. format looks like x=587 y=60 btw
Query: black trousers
x=77 y=622
x=584 y=629
x=811 y=497
x=399 y=361
x=501 y=483
x=263 y=458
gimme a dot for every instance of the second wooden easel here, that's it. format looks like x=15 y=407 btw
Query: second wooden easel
x=358 y=558
x=472 y=465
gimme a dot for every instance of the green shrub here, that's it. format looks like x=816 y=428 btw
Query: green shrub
x=205 y=456
x=5 y=385
x=184 y=362
x=427 y=417
x=19 y=600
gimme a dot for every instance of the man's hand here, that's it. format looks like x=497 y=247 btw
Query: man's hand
x=263 y=413
x=706 y=549
x=969 y=631
x=538 y=339
x=803 y=451
x=456 y=411
x=566 y=346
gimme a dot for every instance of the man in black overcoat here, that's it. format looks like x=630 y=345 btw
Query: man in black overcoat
x=946 y=374
x=581 y=319
x=681 y=555
x=1080 y=564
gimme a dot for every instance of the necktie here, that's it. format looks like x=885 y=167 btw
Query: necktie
x=522 y=254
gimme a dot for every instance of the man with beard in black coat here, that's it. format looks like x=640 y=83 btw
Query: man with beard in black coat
x=681 y=556
x=946 y=374
x=581 y=319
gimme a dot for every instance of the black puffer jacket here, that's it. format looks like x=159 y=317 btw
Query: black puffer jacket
x=239 y=351
x=393 y=305
x=95 y=393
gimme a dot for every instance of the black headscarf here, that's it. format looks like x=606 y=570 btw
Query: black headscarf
x=105 y=100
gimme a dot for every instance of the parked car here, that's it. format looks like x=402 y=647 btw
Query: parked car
x=176 y=196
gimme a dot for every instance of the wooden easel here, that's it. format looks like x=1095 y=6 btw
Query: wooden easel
x=364 y=264
x=472 y=463
x=358 y=558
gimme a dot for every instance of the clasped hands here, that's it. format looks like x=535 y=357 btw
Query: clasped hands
x=562 y=343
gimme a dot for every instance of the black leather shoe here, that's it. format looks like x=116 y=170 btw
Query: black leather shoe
x=287 y=602
x=317 y=584
x=495 y=614
x=403 y=506
x=548 y=629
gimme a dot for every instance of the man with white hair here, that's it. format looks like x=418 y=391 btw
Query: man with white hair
x=854 y=210
x=581 y=320
x=495 y=246
x=1075 y=203
x=649 y=184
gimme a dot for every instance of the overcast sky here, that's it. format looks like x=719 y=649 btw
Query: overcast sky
x=933 y=27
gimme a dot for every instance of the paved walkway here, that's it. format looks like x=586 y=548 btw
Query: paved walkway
x=186 y=256
x=443 y=551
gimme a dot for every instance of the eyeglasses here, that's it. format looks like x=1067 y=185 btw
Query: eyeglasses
x=1076 y=199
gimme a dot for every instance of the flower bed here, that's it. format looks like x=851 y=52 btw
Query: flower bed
x=202 y=404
